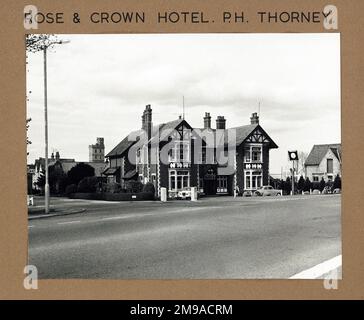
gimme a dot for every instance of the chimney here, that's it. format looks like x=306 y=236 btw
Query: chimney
x=220 y=122
x=148 y=120
x=57 y=155
x=207 y=121
x=254 y=119
x=143 y=120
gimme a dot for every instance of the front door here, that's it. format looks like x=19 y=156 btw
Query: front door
x=210 y=187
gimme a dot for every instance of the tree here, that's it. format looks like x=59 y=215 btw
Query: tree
x=80 y=171
x=288 y=185
x=37 y=42
x=27 y=127
x=307 y=184
x=337 y=182
x=301 y=183
x=322 y=184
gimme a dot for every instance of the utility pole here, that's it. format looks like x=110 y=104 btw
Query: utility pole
x=46 y=185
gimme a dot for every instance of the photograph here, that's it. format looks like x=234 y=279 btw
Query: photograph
x=184 y=155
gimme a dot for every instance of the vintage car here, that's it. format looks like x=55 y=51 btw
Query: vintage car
x=267 y=191
x=185 y=193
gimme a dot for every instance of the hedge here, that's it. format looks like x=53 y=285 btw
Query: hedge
x=114 y=196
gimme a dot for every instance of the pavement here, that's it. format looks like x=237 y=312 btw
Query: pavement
x=37 y=211
x=213 y=238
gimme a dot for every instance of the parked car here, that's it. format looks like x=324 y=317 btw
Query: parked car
x=327 y=190
x=184 y=193
x=267 y=191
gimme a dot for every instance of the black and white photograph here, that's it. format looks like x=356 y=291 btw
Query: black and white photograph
x=184 y=156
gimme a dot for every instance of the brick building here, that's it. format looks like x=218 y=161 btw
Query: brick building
x=142 y=156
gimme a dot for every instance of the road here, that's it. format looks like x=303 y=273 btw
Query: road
x=213 y=238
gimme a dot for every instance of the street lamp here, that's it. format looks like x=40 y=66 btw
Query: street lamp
x=46 y=186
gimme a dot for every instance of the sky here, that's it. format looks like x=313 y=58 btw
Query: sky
x=98 y=86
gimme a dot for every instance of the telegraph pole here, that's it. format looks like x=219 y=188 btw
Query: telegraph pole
x=46 y=185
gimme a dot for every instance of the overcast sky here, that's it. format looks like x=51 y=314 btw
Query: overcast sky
x=98 y=86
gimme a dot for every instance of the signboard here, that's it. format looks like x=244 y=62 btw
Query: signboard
x=253 y=166
x=180 y=165
x=293 y=155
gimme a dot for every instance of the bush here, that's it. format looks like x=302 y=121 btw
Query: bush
x=133 y=186
x=149 y=187
x=72 y=188
x=322 y=184
x=337 y=182
x=114 y=196
x=307 y=185
x=113 y=187
x=87 y=184
x=301 y=184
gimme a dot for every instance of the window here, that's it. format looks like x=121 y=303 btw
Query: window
x=330 y=166
x=256 y=154
x=247 y=154
x=253 y=153
x=180 y=152
x=253 y=179
x=222 y=184
x=315 y=178
x=179 y=179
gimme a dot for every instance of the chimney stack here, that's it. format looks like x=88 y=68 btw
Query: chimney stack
x=254 y=119
x=148 y=120
x=207 y=121
x=220 y=122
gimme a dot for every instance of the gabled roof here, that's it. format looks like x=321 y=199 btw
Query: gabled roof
x=242 y=133
x=125 y=144
x=164 y=129
x=319 y=151
x=167 y=127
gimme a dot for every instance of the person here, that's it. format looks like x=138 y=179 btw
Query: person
x=237 y=191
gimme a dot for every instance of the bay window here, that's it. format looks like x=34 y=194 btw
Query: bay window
x=253 y=179
x=222 y=184
x=179 y=179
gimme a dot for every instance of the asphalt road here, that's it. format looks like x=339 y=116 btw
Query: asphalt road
x=213 y=238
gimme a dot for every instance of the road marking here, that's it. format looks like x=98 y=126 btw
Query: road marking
x=112 y=218
x=320 y=269
x=30 y=226
x=69 y=222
